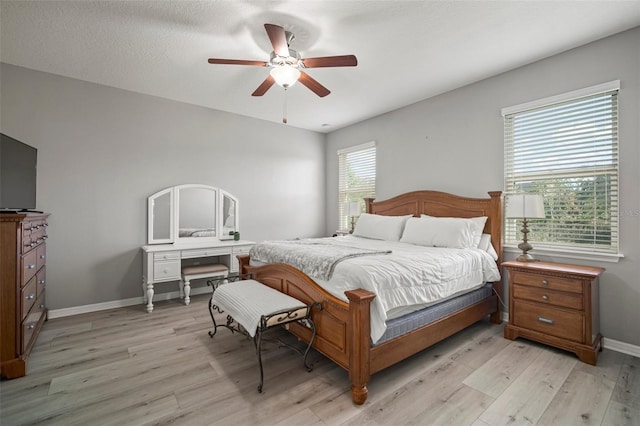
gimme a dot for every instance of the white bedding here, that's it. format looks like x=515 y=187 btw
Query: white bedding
x=409 y=278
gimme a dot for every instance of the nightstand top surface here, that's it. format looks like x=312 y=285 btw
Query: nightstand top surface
x=538 y=266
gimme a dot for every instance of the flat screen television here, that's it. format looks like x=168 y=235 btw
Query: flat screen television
x=18 y=167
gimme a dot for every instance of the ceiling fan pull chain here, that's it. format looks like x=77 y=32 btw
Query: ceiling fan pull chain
x=284 y=107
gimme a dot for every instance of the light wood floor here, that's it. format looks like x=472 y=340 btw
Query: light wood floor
x=127 y=367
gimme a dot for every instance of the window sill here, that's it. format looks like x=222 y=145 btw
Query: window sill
x=566 y=253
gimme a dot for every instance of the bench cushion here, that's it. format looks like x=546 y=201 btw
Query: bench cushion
x=204 y=269
x=246 y=301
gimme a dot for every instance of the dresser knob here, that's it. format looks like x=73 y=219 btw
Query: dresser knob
x=545 y=282
x=545 y=297
x=42 y=306
x=31 y=266
x=31 y=326
x=42 y=256
x=41 y=282
x=31 y=296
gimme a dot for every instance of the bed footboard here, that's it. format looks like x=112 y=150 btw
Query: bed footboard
x=343 y=329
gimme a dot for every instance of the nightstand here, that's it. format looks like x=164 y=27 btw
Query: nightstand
x=555 y=304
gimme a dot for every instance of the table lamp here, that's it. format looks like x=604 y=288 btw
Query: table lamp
x=354 y=211
x=525 y=206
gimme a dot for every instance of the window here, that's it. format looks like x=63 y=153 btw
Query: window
x=565 y=148
x=357 y=178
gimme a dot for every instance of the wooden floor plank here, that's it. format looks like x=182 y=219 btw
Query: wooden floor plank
x=582 y=399
x=627 y=390
x=526 y=399
x=621 y=415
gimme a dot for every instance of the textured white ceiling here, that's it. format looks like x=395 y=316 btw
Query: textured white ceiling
x=407 y=50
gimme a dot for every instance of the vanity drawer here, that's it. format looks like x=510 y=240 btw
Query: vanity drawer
x=29 y=266
x=166 y=255
x=545 y=319
x=551 y=297
x=546 y=281
x=166 y=271
x=28 y=296
x=215 y=251
x=241 y=249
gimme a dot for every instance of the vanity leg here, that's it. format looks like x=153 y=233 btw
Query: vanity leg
x=150 y=297
x=187 y=292
x=181 y=289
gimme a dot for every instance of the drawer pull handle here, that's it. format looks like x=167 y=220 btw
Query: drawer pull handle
x=41 y=282
x=42 y=256
x=545 y=282
x=31 y=266
x=546 y=320
x=31 y=296
x=545 y=297
x=31 y=326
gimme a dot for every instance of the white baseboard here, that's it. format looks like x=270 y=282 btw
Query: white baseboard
x=614 y=345
x=76 y=310
x=622 y=347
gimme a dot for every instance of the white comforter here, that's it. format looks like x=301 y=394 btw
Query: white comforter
x=409 y=278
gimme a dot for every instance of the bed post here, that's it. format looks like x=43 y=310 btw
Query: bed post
x=496 y=240
x=358 y=339
x=368 y=204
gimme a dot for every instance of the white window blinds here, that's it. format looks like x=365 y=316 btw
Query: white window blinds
x=357 y=178
x=567 y=151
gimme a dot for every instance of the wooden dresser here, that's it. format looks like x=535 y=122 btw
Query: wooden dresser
x=22 y=288
x=555 y=304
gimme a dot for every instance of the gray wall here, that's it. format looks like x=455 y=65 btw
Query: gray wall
x=102 y=151
x=454 y=143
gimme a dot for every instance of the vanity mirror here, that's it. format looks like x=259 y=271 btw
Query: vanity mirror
x=192 y=212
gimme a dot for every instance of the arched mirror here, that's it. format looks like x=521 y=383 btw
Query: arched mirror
x=191 y=212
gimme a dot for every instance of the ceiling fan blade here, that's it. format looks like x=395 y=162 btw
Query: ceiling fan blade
x=278 y=39
x=330 y=61
x=237 y=62
x=266 y=85
x=313 y=85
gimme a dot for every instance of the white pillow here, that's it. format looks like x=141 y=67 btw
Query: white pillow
x=485 y=244
x=477 y=226
x=439 y=232
x=388 y=228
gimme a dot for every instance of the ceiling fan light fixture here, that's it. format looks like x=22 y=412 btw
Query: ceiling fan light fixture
x=285 y=75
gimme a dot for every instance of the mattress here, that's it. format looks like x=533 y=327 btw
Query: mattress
x=404 y=324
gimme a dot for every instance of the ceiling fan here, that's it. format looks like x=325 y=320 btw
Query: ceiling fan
x=287 y=66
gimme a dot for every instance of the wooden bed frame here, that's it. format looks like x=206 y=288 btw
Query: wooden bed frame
x=343 y=329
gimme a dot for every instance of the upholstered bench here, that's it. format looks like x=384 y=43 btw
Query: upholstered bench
x=195 y=272
x=256 y=307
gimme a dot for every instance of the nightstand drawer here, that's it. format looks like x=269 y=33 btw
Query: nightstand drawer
x=545 y=296
x=556 y=322
x=546 y=281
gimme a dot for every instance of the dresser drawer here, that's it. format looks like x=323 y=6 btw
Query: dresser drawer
x=41 y=254
x=29 y=266
x=41 y=281
x=28 y=296
x=30 y=323
x=546 y=296
x=546 y=281
x=166 y=271
x=545 y=319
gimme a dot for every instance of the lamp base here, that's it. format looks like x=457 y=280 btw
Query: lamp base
x=525 y=257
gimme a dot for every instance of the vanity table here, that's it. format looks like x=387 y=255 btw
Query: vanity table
x=163 y=262
x=189 y=224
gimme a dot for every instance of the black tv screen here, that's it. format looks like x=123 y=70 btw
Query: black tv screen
x=18 y=163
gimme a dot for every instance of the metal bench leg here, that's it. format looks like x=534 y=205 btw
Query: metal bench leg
x=313 y=337
x=259 y=350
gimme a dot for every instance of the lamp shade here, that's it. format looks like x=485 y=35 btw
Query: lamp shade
x=354 y=209
x=530 y=206
x=285 y=75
